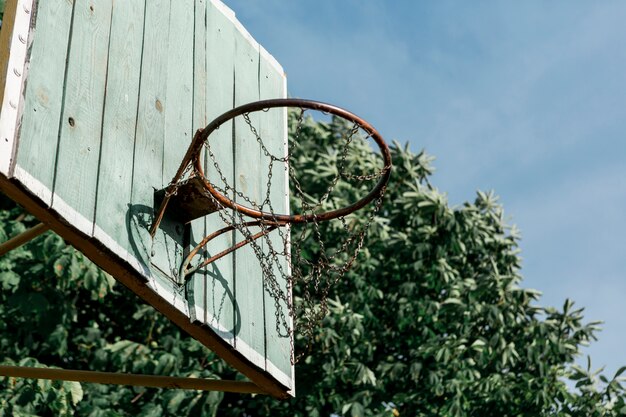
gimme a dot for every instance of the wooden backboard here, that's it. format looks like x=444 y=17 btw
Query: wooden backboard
x=100 y=100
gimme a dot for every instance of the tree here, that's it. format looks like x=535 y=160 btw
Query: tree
x=431 y=320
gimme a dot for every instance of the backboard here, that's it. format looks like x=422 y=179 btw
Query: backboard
x=100 y=100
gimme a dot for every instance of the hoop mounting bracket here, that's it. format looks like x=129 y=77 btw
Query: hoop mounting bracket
x=191 y=201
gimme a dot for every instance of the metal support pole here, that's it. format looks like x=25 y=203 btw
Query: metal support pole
x=22 y=238
x=156 y=381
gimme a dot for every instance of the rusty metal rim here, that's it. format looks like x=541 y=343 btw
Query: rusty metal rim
x=303 y=104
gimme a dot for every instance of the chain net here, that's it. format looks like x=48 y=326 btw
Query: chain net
x=304 y=259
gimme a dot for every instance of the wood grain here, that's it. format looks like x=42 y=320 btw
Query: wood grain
x=219 y=302
x=250 y=340
x=273 y=130
x=75 y=183
x=196 y=286
x=39 y=136
x=118 y=128
x=150 y=137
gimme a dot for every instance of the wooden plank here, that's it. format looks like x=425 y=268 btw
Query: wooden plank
x=75 y=182
x=118 y=130
x=196 y=286
x=250 y=339
x=150 y=131
x=273 y=131
x=179 y=95
x=219 y=292
x=178 y=111
x=14 y=39
x=35 y=160
x=148 y=161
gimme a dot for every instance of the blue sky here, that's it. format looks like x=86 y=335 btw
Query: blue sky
x=524 y=98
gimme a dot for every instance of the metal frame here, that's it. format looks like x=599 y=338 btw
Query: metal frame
x=22 y=238
x=154 y=381
x=117 y=267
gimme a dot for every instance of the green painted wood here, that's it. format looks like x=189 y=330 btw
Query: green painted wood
x=250 y=339
x=273 y=130
x=219 y=291
x=150 y=137
x=196 y=286
x=118 y=127
x=178 y=111
x=81 y=121
x=44 y=98
x=178 y=104
x=141 y=76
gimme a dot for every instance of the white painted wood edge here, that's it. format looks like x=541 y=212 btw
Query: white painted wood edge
x=242 y=347
x=226 y=11
x=102 y=237
x=279 y=375
x=230 y=15
x=272 y=61
x=35 y=187
x=71 y=216
x=252 y=355
x=212 y=322
x=32 y=184
x=169 y=291
x=291 y=379
x=12 y=102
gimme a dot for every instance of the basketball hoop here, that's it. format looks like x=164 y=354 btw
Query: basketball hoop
x=280 y=254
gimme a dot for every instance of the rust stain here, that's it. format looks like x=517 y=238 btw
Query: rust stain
x=243 y=183
x=42 y=97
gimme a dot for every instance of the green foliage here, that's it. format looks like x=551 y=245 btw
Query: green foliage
x=58 y=307
x=431 y=320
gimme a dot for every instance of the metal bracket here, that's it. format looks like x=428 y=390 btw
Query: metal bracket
x=190 y=201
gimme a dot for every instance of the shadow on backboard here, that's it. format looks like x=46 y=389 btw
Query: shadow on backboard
x=138 y=220
x=208 y=288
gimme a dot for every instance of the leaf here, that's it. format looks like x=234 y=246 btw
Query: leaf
x=357 y=410
x=122 y=344
x=365 y=375
x=61 y=265
x=58 y=340
x=165 y=364
x=174 y=402
x=478 y=343
x=76 y=391
x=151 y=410
x=52 y=245
x=10 y=281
